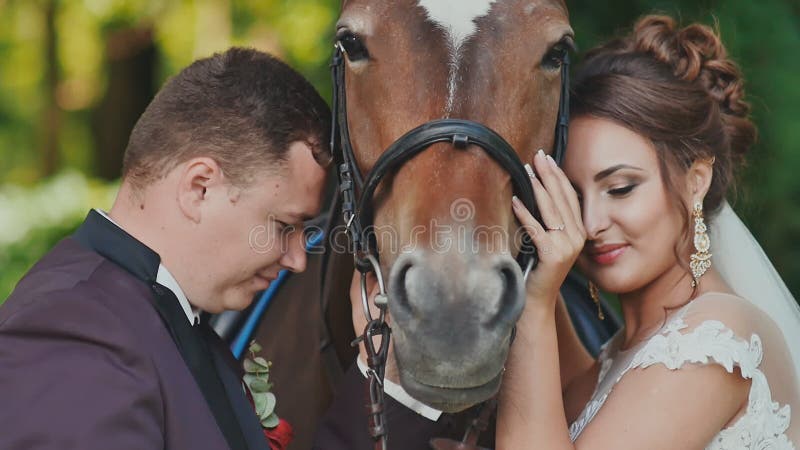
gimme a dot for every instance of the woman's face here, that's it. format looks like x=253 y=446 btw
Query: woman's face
x=631 y=224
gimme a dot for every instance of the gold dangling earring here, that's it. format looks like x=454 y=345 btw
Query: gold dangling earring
x=595 y=294
x=701 y=259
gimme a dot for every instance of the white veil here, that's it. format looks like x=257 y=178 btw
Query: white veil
x=738 y=257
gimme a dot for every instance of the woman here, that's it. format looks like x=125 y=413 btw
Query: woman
x=658 y=126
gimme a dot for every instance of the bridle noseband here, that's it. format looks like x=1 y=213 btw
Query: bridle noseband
x=358 y=215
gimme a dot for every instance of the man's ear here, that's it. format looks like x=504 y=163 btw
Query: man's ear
x=197 y=177
x=698 y=179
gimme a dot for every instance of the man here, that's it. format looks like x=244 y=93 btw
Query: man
x=101 y=346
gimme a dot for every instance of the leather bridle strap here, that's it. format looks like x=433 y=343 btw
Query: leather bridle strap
x=562 y=125
x=461 y=133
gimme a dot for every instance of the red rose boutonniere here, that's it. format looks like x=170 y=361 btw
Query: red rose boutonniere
x=277 y=431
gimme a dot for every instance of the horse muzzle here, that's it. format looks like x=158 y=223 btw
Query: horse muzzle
x=452 y=319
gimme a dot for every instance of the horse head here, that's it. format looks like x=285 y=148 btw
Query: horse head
x=443 y=223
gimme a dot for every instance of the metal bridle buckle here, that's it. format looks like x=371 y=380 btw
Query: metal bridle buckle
x=381 y=300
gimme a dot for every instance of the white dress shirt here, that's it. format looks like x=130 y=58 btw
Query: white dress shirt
x=165 y=278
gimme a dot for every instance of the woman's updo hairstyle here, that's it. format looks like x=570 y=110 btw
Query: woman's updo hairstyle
x=676 y=87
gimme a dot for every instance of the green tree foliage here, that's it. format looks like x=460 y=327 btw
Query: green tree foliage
x=60 y=77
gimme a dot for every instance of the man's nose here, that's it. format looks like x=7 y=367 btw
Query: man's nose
x=294 y=259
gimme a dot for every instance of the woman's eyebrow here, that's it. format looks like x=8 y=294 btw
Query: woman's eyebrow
x=607 y=172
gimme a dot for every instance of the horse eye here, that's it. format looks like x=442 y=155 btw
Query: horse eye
x=553 y=59
x=353 y=47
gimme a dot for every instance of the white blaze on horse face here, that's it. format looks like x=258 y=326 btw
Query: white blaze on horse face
x=457 y=18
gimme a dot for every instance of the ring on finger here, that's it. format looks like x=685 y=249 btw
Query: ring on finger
x=558 y=228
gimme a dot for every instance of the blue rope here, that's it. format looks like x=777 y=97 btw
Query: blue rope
x=245 y=335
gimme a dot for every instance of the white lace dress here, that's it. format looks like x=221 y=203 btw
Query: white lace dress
x=715 y=329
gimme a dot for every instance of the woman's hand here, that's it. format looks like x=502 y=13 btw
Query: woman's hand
x=531 y=408
x=561 y=236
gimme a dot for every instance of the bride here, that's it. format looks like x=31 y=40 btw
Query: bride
x=659 y=125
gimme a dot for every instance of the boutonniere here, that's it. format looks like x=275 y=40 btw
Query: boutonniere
x=256 y=377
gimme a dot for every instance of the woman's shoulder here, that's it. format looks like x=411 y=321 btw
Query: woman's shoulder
x=715 y=327
x=733 y=311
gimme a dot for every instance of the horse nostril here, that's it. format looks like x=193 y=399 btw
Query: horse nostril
x=398 y=291
x=511 y=298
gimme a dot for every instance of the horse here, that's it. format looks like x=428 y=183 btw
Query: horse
x=488 y=76
x=455 y=287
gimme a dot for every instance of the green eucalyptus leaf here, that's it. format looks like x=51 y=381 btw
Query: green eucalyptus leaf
x=262 y=362
x=269 y=406
x=259 y=384
x=260 y=401
x=254 y=347
x=271 y=421
x=254 y=366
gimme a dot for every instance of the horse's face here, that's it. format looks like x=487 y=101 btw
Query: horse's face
x=446 y=231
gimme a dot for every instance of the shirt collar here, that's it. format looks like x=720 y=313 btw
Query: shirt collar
x=165 y=278
x=397 y=392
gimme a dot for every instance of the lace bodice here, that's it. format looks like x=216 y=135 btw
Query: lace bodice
x=701 y=340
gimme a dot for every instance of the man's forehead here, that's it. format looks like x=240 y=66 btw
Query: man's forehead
x=304 y=187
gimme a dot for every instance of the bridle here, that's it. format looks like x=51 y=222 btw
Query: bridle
x=358 y=215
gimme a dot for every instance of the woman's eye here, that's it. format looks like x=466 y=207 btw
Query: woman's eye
x=622 y=191
x=353 y=47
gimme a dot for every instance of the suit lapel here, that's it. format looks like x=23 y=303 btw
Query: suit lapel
x=230 y=372
x=200 y=361
x=113 y=243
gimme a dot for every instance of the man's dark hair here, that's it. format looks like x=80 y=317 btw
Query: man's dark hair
x=242 y=108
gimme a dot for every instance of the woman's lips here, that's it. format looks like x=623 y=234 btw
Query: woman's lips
x=607 y=254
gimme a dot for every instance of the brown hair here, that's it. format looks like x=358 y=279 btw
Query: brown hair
x=676 y=87
x=242 y=108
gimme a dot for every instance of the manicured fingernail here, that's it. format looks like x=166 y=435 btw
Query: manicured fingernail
x=551 y=161
x=515 y=201
x=540 y=153
x=529 y=169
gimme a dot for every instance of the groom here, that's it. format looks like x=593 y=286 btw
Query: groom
x=101 y=343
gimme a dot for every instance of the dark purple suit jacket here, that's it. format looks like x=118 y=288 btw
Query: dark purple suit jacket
x=94 y=354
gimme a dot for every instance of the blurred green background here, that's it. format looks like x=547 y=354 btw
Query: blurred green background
x=75 y=75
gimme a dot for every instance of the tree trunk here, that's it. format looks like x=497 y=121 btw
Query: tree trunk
x=51 y=116
x=131 y=56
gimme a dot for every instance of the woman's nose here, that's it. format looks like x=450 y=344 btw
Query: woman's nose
x=595 y=219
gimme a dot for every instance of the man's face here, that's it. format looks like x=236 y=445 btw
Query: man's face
x=254 y=233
